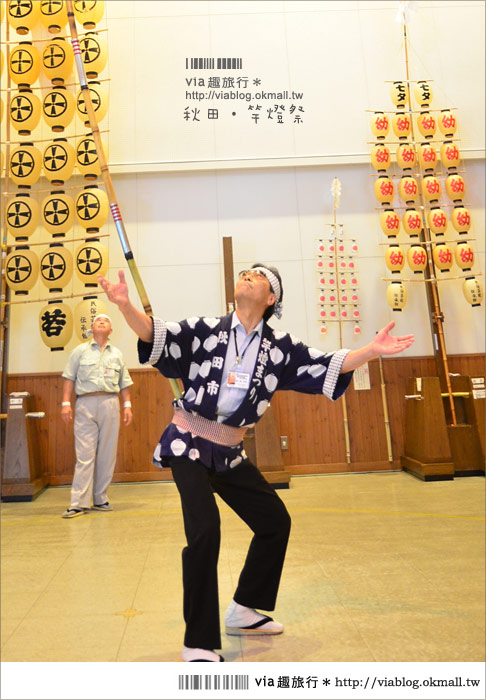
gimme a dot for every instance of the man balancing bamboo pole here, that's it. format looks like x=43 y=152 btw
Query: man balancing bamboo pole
x=230 y=368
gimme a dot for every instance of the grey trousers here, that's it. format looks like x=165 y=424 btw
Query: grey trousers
x=96 y=428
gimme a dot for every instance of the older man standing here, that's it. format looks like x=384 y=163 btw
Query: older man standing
x=96 y=373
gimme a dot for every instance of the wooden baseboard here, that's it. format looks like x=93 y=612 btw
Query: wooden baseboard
x=344 y=467
x=428 y=471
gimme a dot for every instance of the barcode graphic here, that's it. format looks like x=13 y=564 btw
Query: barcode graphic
x=218 y=63
x=200 y=682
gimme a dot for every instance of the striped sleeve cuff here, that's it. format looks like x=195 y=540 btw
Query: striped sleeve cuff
x=160 y=335
x=333 y=372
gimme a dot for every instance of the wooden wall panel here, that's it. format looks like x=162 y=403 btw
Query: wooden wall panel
x=313 y=425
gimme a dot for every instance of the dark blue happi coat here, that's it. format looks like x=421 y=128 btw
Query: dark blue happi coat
x=194 y=350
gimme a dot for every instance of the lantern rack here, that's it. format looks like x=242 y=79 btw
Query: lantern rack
x=54 y=36
x=60 y=135
x=57 y=297
x=53 y=188
x=86 y=237
x=394 y=241
x=432 y=280
x=52 y=86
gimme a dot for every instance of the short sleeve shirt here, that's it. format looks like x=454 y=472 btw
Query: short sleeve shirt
x=92 y=369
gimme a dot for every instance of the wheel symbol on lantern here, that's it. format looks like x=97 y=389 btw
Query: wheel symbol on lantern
x=53 y=266
x=56 y=212
x=95 y=100
x=22 y=164
x=51 y=7
x=54 y=56
x=19 y=8
x=18 y=214
x=86 y=152
x=21 y=61
x=55 y=158
x=87 y=206
x=89 y=261
x=20 y=108
x=83 y=6
x=54 y=105
x=90 y=49
x=19 y=269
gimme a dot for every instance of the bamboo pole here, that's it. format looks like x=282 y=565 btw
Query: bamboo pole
x=336 y=192
x=110 y=191
x=385 y=411
x=437 y=317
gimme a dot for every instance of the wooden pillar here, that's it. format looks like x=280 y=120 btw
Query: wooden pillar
x=262 y=444
x=22 y=479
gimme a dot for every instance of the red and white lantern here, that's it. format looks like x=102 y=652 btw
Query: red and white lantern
x=437 y=220
x=461 y=219
x=442 y=255
x=417 y=258
x=394 y=259
x=464 y=256
x=408 y=189
x=412 y=222
x=390 y=223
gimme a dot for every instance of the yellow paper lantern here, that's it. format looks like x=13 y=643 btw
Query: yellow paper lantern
x=464 y=255
x=399 y=93
x=380 y=125
x=25 y=165
x=94 y=52
x=89 y=13
x=417 y=258
x=23 y=15
x=22 y=216
x=57 y=213
x=87 y=158
x=461 y=219
x=442 y=255
x=85 y=313
x=58 y=60
x=426 y=124
x=396 y=295
x=21 y=270
x=390 y=223
x=24 y=64
x=405 y=156
x=455 y=187
x=447 y=123
x=408 y=189
x=56 y=325
x=380 y=158
x=58 y=161
x=91 y=260
x=25 y=111
x=99 y=100
x=56 y=267
x=2 y=11
x=92 y=208
x=58 y=108
x=473 y=291
x=394 y=259
x=449 y=155
x=402 y=125
x=427 y=157
x=431 y=188
x=53 y=15
x=412 y=222
x=437 y=220
x=423 y=93
x=384 y=189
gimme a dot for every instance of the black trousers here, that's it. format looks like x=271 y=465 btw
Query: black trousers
x=245 y=491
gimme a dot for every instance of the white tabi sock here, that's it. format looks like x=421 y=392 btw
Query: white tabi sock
x=240 y=616
x=191 y=654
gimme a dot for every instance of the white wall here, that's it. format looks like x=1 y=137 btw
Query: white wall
x=176 y=220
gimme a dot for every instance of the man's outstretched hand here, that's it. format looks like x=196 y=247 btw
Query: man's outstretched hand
x=116 y=293
x=386 y=344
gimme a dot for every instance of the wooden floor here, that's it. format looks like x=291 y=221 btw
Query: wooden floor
x=380 y=567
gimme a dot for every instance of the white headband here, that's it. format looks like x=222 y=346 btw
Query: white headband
x=275 y=287
x=101 y=316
